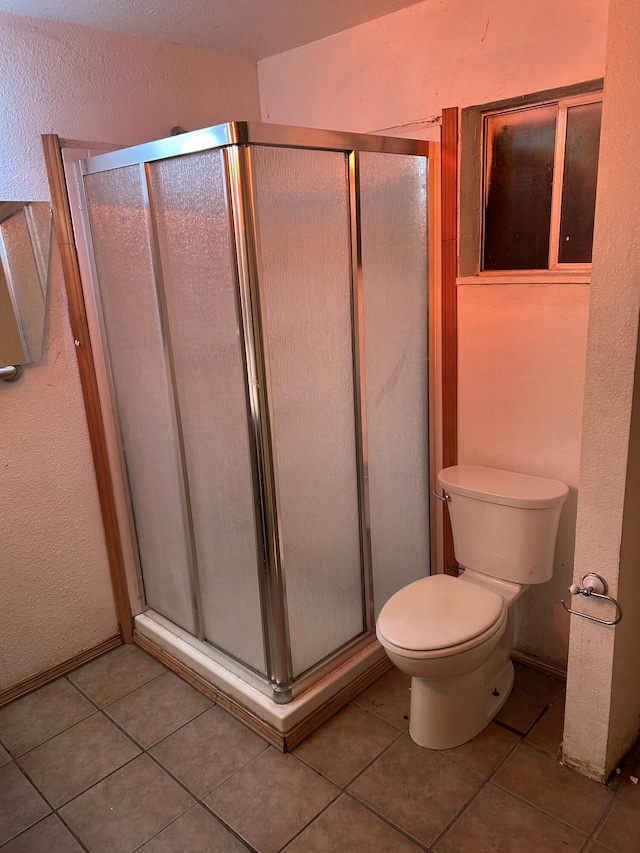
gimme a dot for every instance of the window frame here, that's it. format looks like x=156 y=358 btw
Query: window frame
x=472 y=187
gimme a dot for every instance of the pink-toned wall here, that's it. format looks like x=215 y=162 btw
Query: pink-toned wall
x=521 y=347
x=92 y=85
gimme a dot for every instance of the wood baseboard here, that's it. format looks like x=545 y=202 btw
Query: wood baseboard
x=284 y=741
x=539 y=665
x=251 y=720
x=42 y=678
x=316 y=718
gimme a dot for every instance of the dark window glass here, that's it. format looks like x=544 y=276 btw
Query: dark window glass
x=579 y=184
x=519 y=152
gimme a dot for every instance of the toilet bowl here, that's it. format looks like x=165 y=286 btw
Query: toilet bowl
x=455 y=693
x=453 y=636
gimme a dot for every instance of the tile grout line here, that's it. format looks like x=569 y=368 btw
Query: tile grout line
x=540 y=751
x=72 y=832
x=359 y=773
x=200 y=800
x=312 y=820
x=15 y=756
x=590 y=836
x=147 y=751
x=545 y=813
x=344 y=790
x=389 y=822
x=53 y=811
x=128 y=693
x=610 y=806
x=197 y=803
x=488 y=781
x=143 y=751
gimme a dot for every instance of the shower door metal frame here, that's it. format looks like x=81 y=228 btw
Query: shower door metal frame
x=234 y=140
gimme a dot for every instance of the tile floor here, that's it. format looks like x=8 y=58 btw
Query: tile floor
x=122 y=755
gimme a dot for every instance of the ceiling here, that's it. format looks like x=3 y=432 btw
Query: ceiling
x=251 y=28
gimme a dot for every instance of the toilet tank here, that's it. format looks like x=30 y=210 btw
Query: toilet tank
x=504 y=524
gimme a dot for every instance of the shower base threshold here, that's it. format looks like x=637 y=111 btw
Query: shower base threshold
x=245 y=695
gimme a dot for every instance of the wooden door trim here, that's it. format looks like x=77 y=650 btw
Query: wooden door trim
x=88 y=380
x=449 y=213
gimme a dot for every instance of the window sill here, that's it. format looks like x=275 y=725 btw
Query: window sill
x=528 y=277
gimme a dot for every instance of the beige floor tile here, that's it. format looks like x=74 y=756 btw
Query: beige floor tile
x=548 y=731
x=5 y=758
x=271 y=800
x=208 y=750
x=520 y=712
x=389 y=698
x=537 y=685
x=197 y=831
x=30 y=721
x=115 y=674
x=126 y=809
x=540 y=780
x=346 y=744
x=348 y=827
x=48 y=836
x=77 y=758
x=621 y=829
x=496 y=822
x=485 y=751
x=20 y=804
x=419 y=790
x=158 y=708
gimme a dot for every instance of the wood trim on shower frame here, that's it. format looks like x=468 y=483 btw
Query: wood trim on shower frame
x=79 y=328
x=449 y=226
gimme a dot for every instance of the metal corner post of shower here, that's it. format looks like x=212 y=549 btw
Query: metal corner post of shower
x=258 y=301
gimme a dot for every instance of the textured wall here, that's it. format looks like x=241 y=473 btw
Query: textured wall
x=441 y=53
x=99 y=86
x=521 y=347
x=54 y=583
x=603 y=661
x=91 y=85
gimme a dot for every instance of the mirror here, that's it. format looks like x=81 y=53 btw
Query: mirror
x=25 y=248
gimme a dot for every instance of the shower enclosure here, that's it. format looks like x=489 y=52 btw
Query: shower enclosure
x=258 y=302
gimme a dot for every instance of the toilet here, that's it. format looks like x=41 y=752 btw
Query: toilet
x=453 y=636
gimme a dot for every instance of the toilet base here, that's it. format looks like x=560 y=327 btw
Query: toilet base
x=449 y=712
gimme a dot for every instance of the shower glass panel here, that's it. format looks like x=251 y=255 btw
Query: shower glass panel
x=393 y=209
x=261 y=300
x=302 y=213
x=195 y=253
x=123 y=257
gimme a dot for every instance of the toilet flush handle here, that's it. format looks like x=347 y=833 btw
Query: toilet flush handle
x=443 y=498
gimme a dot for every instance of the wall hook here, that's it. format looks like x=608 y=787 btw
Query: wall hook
x=593 y=586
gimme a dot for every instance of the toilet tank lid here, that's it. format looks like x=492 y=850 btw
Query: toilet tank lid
x=503 y=487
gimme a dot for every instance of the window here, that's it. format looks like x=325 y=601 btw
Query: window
x=533 y=169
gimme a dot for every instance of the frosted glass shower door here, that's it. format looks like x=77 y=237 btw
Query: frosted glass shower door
x=303 y=224
x=393 y=209
x=134 y=334
x=198 y=272
x=259 y=311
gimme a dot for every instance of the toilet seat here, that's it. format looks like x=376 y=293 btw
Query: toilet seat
x=440 y=615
